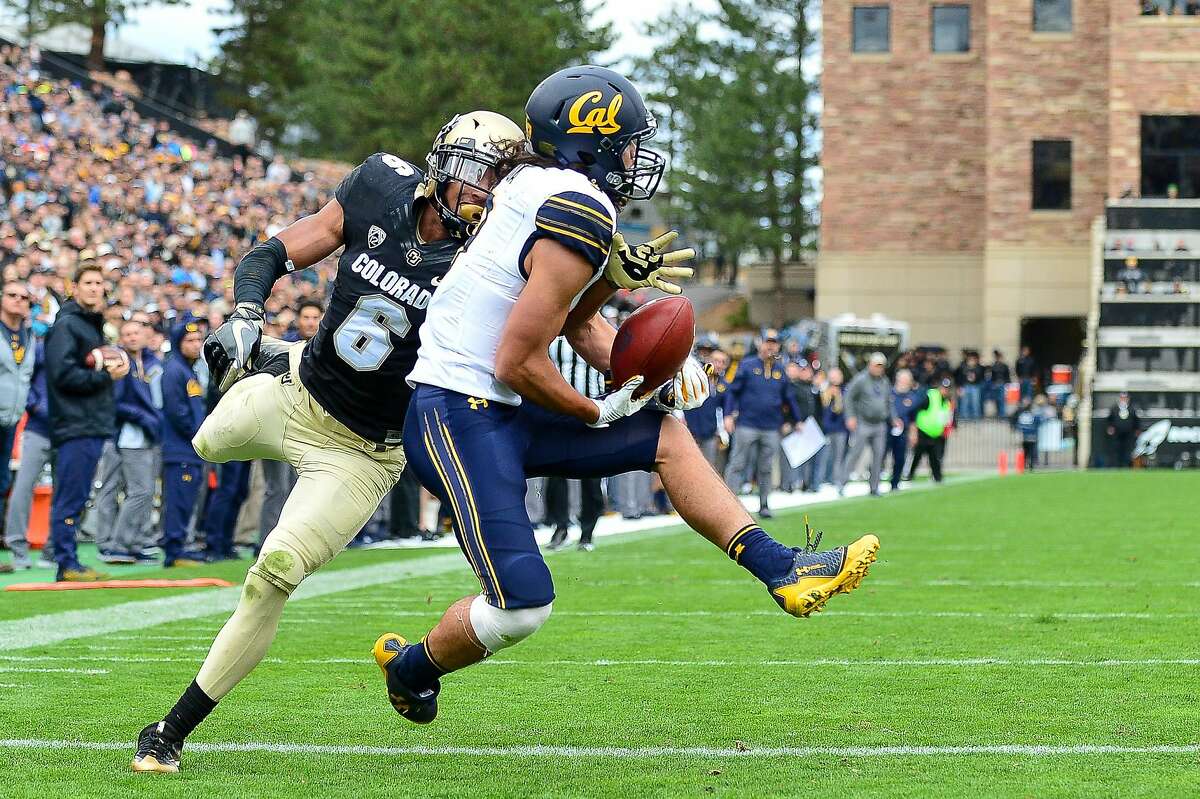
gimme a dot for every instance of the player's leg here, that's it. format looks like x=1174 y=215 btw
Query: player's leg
x=800 y=581
x=471 y=459
x=341 y=481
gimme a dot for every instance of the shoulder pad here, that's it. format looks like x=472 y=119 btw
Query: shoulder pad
x=381 y=182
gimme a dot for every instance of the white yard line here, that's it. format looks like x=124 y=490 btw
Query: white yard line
x=27 y=670
x=608 y=663
x=628 y=753
x=53 y=628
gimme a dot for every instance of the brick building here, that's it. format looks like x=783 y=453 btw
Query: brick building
x=970 y=144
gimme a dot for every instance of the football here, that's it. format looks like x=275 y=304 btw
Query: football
x=654 y=342
x=97 y=358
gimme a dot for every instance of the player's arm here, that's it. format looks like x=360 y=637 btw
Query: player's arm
x=556 y=275
x=592 y=338
x=298 y=246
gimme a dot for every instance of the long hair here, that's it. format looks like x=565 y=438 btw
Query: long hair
x=517 y=154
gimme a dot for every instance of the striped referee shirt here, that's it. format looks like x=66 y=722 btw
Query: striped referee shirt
x=575 y=370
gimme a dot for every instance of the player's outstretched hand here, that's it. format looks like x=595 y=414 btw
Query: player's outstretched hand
x=647 y=265
x=689 y=388
x=231 y=348
x=620 y=403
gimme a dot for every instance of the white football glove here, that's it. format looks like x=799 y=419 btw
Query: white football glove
x=647 y=265
x=620 y=403
x=689 y=388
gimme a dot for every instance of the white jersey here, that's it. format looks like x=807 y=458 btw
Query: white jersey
x=470 y=308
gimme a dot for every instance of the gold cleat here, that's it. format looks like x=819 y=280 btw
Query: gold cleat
x=418 y=707
x=817 y=576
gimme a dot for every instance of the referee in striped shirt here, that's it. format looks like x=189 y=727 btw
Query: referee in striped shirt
x=590 y=383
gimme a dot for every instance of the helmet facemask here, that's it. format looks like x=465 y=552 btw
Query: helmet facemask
x=470 y=166
x=638 y=177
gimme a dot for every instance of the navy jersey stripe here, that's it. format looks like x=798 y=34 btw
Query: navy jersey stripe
x=578 y=222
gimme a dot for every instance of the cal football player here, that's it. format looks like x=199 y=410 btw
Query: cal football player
x=333 y=407
x=490 y=409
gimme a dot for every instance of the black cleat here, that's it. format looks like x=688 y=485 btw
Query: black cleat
x=417 y=707
x=158 y=749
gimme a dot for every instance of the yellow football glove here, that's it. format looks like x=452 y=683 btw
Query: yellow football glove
x=647 y=265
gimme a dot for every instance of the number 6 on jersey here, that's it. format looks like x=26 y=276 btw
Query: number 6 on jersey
x=364 y=339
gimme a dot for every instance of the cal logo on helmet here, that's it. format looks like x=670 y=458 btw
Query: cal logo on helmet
x=375 y=236
x=598 y=118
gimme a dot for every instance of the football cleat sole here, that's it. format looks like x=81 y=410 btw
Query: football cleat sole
x=802 y=600
x=150 y=763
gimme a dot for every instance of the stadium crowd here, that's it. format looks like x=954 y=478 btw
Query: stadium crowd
x=92 y=192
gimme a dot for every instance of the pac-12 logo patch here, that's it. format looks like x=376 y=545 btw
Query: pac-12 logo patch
x=413 y=257
x=375 y=236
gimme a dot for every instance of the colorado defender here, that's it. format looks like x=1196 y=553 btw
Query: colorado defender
x=332 y=407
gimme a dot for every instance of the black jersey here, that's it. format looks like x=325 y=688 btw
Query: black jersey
x=367 y=343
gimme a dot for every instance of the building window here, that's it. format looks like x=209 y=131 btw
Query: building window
x=872 y=29
x=951 y=29
x=1051 y=175
x=1171 y=156
x=1152 y=8
x=1052 y=16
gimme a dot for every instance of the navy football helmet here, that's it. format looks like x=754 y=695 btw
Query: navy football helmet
x=588 y=118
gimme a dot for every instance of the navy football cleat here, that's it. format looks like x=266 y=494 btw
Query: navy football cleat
x=816 y=576
x=418 y=707
x=158 y=749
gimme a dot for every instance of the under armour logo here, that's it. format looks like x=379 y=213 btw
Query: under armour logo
x=476 y=403
x=413 y=257
x=437 y=281
x=375 y=236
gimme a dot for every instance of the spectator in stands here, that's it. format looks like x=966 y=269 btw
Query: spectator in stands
x=969 y=377
x=800 y=374
x=278 y=172
x=833 y=424
x=18 y=354
x=1133 y=277
x=243 y=133
x=183 y=388
x=35 y=454
x=703 y=422
x=82 y=412
x=998 y=378
x=130 y=462
x=1123 y=425
x=754 y=406
x=1027 y=421
x=868 y=418
x=1026 y=372
x=904 y=397
x=931 y=415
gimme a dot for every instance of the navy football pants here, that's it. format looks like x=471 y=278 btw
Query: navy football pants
x=475 y=455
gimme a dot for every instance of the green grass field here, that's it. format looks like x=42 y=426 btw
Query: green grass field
x=1049 y=619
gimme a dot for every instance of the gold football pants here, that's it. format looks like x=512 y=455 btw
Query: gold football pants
x=342 y=478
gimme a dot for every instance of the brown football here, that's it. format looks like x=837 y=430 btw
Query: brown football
x=100 y=355
x=654 y=342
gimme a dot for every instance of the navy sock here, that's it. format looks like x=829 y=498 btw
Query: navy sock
x=191 y=709
x=759 y=554
x=417 y=669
